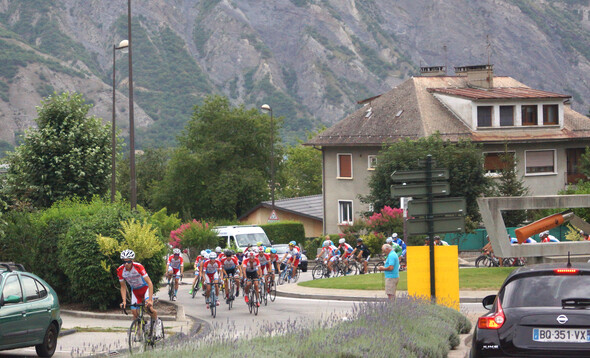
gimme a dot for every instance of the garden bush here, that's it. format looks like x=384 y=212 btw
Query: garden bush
x=195 y=236
x=406 y=328
x=285 y=231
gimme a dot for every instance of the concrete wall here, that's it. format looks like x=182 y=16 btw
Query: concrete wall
x=461 y=107
x=336 y=189
x=312 y=227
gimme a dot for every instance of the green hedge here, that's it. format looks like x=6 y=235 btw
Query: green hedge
x=285 y=231
x=59 y=244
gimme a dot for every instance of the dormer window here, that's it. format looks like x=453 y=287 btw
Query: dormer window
x=529 y=115
x=484 y=116
x=550 y=114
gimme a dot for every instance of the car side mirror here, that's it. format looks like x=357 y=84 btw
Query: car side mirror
x=488 y=302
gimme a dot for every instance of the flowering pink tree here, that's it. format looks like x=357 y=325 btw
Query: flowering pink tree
x=194 y=235
x=387 y=221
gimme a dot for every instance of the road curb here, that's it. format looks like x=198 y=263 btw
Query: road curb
x=356 y=298
x=180 y=316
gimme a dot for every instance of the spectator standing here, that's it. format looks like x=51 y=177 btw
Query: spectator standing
x=391 y=269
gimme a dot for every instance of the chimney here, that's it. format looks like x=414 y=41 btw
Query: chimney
x=433 y=71
x=481 y=76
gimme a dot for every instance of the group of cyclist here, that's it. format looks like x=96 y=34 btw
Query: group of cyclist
x=246 y=267
x=332 y=254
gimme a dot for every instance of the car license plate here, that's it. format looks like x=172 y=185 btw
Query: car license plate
x=570 y=335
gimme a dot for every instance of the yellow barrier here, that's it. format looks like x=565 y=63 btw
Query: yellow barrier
x=446 y=263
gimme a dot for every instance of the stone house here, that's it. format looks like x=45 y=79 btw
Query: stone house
x=544 y=133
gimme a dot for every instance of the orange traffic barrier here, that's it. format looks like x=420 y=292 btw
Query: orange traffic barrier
x=522 y=233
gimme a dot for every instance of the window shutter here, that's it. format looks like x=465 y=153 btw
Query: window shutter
x=345 y=163
x=539 y=159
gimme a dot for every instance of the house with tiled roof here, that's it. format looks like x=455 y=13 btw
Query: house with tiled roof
x=306 y=209
x=541 y=130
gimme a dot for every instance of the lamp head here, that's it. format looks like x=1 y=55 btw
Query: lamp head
x=124 y=46
x=265 y=107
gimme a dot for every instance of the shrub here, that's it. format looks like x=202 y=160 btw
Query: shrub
x=406 y=328
x=165 y=223
x=387 y=221
x=374 y=241
x=285 y=231
x=194 y=235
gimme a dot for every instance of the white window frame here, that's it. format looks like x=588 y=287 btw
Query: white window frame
x=340 y=213
x=490 y=174
x=338 y=166
x=369 y=162
x=554 y=172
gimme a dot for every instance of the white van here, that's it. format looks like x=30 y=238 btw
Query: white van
x=241 y=236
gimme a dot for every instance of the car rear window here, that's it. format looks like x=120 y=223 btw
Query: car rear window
x=544 y=291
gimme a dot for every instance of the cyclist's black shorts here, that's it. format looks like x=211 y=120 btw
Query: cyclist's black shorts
x=275 y=264
x=252 y=275
x=230 y=272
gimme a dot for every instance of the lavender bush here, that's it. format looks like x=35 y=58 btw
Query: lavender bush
x=406 y=328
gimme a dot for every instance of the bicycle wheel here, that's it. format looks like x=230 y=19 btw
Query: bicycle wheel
x=273 y=290
x=282 y=277
x=250 y=299
x=231 y=289
x=482 y=261
x=255 y=304
x=352 y=269
x=316 y=273
x=376 y=266
x=213 y=302
x=297 y=274
x=135 y=337
x=170 y=290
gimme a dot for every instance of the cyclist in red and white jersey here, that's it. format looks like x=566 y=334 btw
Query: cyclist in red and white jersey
x=251 y=267
x=231 y=267
x=219 y=252
x=198 y=262
x=295 y=255
x=347 y=249
x=175 y=266
x=265 y=266
x=210 y=274
x=141 y=285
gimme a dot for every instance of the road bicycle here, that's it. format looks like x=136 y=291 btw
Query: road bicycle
x=402 y=264
x=141 y=335
x=212 y=301
x=287 y=274
x=321 y=270
x=252 y=297
x=196 y=286
x=172 y=288
x=231 y=286
x=487 y=259
x=348 y=267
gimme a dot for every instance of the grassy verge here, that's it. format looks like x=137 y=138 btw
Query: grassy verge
x=488 y=278
x=406 y=328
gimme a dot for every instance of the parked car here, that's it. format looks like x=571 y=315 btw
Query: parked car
x=282 y=249
x=540 y=311
x=29 y=311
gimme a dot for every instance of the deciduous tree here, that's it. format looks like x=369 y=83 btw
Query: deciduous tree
x=67 y=155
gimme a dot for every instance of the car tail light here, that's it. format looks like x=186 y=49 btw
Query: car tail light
x=493 y=320
x=566 y=271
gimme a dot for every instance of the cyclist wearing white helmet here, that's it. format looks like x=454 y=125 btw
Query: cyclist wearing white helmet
x=210 y=273
x=175 y=267
x=295 y=255
x=347 y=249
x=251 y=267
x=198 y=262
x=141 y=285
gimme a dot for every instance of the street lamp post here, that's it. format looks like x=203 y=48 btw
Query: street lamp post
x=266 y=107
x=133 y=189
x=122 y=45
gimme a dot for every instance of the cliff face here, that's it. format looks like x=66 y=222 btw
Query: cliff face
x=311 y=60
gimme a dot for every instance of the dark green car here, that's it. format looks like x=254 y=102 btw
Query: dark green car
x=29 y=311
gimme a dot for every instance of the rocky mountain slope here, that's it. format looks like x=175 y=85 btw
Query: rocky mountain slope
x=311 y=60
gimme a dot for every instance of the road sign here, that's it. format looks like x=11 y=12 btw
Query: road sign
x=441 y=225
x=440 y=206
x=419 y=190
x=408 y=176
x=273 y=217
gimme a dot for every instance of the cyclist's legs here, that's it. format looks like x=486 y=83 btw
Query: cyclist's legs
x=256 y=288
